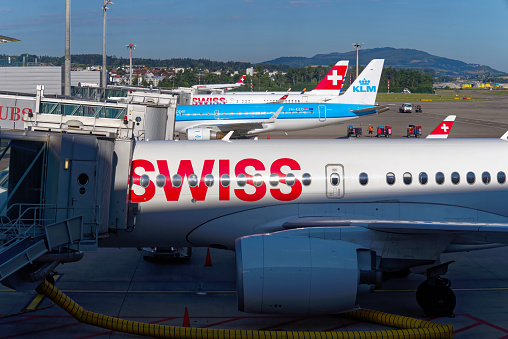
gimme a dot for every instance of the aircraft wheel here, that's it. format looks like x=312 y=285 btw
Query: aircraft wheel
x=436 y=300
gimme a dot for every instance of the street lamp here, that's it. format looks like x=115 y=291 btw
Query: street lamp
x=67 y=61
x=357 y=45
x=104 y=71
x=131 y=47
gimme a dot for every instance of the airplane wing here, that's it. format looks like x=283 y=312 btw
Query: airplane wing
x=370 y=110
x=481 y=232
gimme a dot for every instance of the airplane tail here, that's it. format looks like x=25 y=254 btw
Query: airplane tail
x=364 y=89
x=242 y=79
x=443 y=129
x=332 y=82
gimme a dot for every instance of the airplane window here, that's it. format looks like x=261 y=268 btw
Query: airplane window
x=439 y=178
x=407 y=178
x=257 y=180
x=274 y=179
x=209 y=180
x=193 y=180
x=335 y=179
x=241 y=179
x=144 y=181
x=455 y=178
x=486 y=177
x=390 y=178
x=160 y=180
x=423 y=178
x=177 y=180
x=306 y=180
x=501 y=177
x=470 y=178
x=364 y=178
x=224 y=180
x=290 y=179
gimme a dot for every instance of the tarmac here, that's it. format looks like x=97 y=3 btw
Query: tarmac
x=120 y=283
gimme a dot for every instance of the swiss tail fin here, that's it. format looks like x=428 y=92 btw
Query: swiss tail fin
x=242 y=79
x=364 y=90
x=332 y=82
x=443 y=129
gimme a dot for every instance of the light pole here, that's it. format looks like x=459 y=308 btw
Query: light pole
x=67 y=62
x=357 y=45
x=104 y=70
x=131 y=47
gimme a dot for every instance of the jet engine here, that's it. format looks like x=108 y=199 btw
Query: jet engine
x=202 y=134
x=302 y=275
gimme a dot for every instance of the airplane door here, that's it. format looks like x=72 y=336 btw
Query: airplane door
x=217 y=114
x=334 y=181
x=322 y=112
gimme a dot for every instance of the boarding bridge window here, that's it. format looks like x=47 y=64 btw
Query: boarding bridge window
x=257 y=180
x=193 y=180
x=423 y=178
x=440 y=178
x=407 y=178
x=334 y=179
x=390 y=178
x=241 y=179
x=501 y=177
x=455 y=178
x=470 y=178
x=274 y=179
x=306 y=179
x=177 y=180
x=224 y=180
x=209 y=180
x=364 y=178
x=144 y=181
x=160 y=180
x=290 y=179
x=486 y=178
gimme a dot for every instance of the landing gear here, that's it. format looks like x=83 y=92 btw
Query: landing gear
x=436 y=297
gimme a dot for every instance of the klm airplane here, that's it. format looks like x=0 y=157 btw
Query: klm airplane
x=203 y=122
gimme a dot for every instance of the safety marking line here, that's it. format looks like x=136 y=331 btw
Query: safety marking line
x=109 y=332
x=219 y=322
x=42 y=330
x=480 y=322
x=39 y=297
x=284 y=323
x=148 y=292
x=343 y=326
x=454 y=289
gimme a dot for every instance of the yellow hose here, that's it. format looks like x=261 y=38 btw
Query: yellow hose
x=410 y=328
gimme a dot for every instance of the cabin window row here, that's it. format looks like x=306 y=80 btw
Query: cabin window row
x=245 y=113
x=423 y=178
x=225 y=180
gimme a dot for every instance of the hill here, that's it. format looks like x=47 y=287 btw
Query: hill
x=396 y=58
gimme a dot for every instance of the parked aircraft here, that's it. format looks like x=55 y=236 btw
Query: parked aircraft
x=326 y=90
x=315 y=223
x=239 y=83
x=443 y=129
x=207 y=121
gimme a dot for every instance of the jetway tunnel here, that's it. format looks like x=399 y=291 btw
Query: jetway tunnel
x=64 y=194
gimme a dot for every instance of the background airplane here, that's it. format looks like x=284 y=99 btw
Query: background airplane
x=328 y=88
x=205 y=121
x=239 y=83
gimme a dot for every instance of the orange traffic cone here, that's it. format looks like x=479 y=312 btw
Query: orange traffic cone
x=268 y=136
x=208 y=261
x=186 y=320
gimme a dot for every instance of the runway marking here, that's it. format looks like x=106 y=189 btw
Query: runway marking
x=478 y=323
x=148 y=292
x=39 y=297
x=455 y=289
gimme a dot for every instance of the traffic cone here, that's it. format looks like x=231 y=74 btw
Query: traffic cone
x=186 y=320
x=208 y=261
x=268 y=136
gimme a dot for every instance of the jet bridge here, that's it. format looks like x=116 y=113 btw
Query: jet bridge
x=67 y=189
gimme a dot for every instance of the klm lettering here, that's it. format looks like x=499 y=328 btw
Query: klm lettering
x=364 y=89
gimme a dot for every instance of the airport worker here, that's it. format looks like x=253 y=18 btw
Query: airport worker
x=370 y=130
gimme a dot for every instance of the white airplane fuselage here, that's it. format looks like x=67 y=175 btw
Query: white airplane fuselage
x=246 y=187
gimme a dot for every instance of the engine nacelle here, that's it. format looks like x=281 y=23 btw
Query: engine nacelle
x=295 y=274
x=201 y=134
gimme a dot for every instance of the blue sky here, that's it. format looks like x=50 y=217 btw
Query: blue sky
x=260 y=30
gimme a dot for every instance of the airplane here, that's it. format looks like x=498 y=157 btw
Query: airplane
x=316 y=223
x=328 y=88
x=443 y=129
x=239 y=83
x=201 y=122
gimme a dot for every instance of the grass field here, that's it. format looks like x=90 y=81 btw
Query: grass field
x=440 y=96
